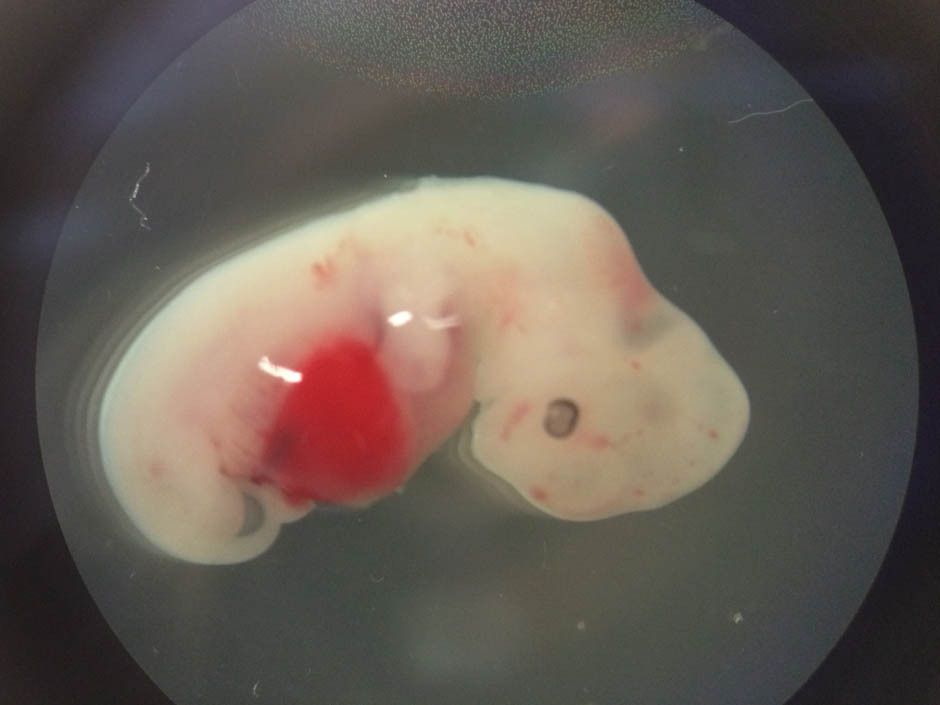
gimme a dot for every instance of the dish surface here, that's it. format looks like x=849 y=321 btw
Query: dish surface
x=761 y=226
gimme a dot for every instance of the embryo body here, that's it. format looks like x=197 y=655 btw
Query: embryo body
x=323 y=366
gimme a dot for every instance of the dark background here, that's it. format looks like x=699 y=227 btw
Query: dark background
x=54 y=646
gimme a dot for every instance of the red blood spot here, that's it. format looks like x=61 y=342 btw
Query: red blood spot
x=518 y=413
x=599 y=441
x=323 y=273
x=539 y=494
x=339 y=435
x=503 y=295
x=713 y=434
x=638 y=493
x=469 y=238
x=635 y=364
x=618 y=266
x=506 y=320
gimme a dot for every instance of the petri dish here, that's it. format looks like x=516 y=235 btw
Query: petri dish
x=744 y=207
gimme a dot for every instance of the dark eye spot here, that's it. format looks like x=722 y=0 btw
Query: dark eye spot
x=561 y=417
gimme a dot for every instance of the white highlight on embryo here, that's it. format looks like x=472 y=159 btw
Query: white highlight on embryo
x=283 y=373
x=400 y=318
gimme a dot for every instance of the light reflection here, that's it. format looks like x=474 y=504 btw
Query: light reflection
x=442 y=322
x=400 y=318
x=285 y=373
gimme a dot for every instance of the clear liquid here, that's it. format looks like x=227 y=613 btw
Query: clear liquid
x=762 y=229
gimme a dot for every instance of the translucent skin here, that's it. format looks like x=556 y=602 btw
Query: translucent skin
x=325 y=365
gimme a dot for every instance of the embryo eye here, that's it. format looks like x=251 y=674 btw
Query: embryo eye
x=561 y=417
